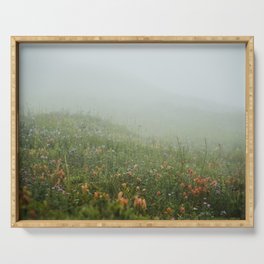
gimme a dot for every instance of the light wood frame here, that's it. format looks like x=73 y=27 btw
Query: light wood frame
x=249 y=50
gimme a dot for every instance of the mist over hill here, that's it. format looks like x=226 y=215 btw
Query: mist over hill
x=169 y=115
x=187 y=91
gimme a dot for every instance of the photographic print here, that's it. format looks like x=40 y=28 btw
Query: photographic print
x=154 y=132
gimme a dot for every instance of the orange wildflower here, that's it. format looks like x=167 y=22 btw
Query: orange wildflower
x=61 y=173
x=121 y=199
x=182 y=209
x=101 y=195
x=214 y=183
x=140 y=203
x=168 y=210
x=96 y=195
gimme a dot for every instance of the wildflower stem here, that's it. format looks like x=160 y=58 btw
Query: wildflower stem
x=67 y=168
x=205 y=157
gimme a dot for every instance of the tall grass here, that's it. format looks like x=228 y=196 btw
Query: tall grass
x=78 y=166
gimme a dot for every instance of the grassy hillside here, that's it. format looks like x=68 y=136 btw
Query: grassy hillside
x=77 y=166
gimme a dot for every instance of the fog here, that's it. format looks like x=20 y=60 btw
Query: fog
x=163 y=89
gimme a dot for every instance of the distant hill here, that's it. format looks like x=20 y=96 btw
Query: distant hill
x=151 y=111
x=176 y=115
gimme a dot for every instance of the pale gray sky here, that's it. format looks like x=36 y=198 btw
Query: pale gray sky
x=161 y=87
x=61 y=75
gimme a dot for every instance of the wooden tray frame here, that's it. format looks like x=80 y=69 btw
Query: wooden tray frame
x=249 y=50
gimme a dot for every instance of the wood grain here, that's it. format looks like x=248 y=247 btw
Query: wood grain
x=132 y=39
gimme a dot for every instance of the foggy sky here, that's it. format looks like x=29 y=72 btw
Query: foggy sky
x=99 y=76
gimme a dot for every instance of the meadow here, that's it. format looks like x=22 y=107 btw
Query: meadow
x=81 y=166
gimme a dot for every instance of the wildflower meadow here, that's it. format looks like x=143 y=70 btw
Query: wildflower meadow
x=81 y=166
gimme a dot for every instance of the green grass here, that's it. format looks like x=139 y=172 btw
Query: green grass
x=77 y=166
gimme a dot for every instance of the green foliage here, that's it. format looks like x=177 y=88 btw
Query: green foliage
x=83 y=167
